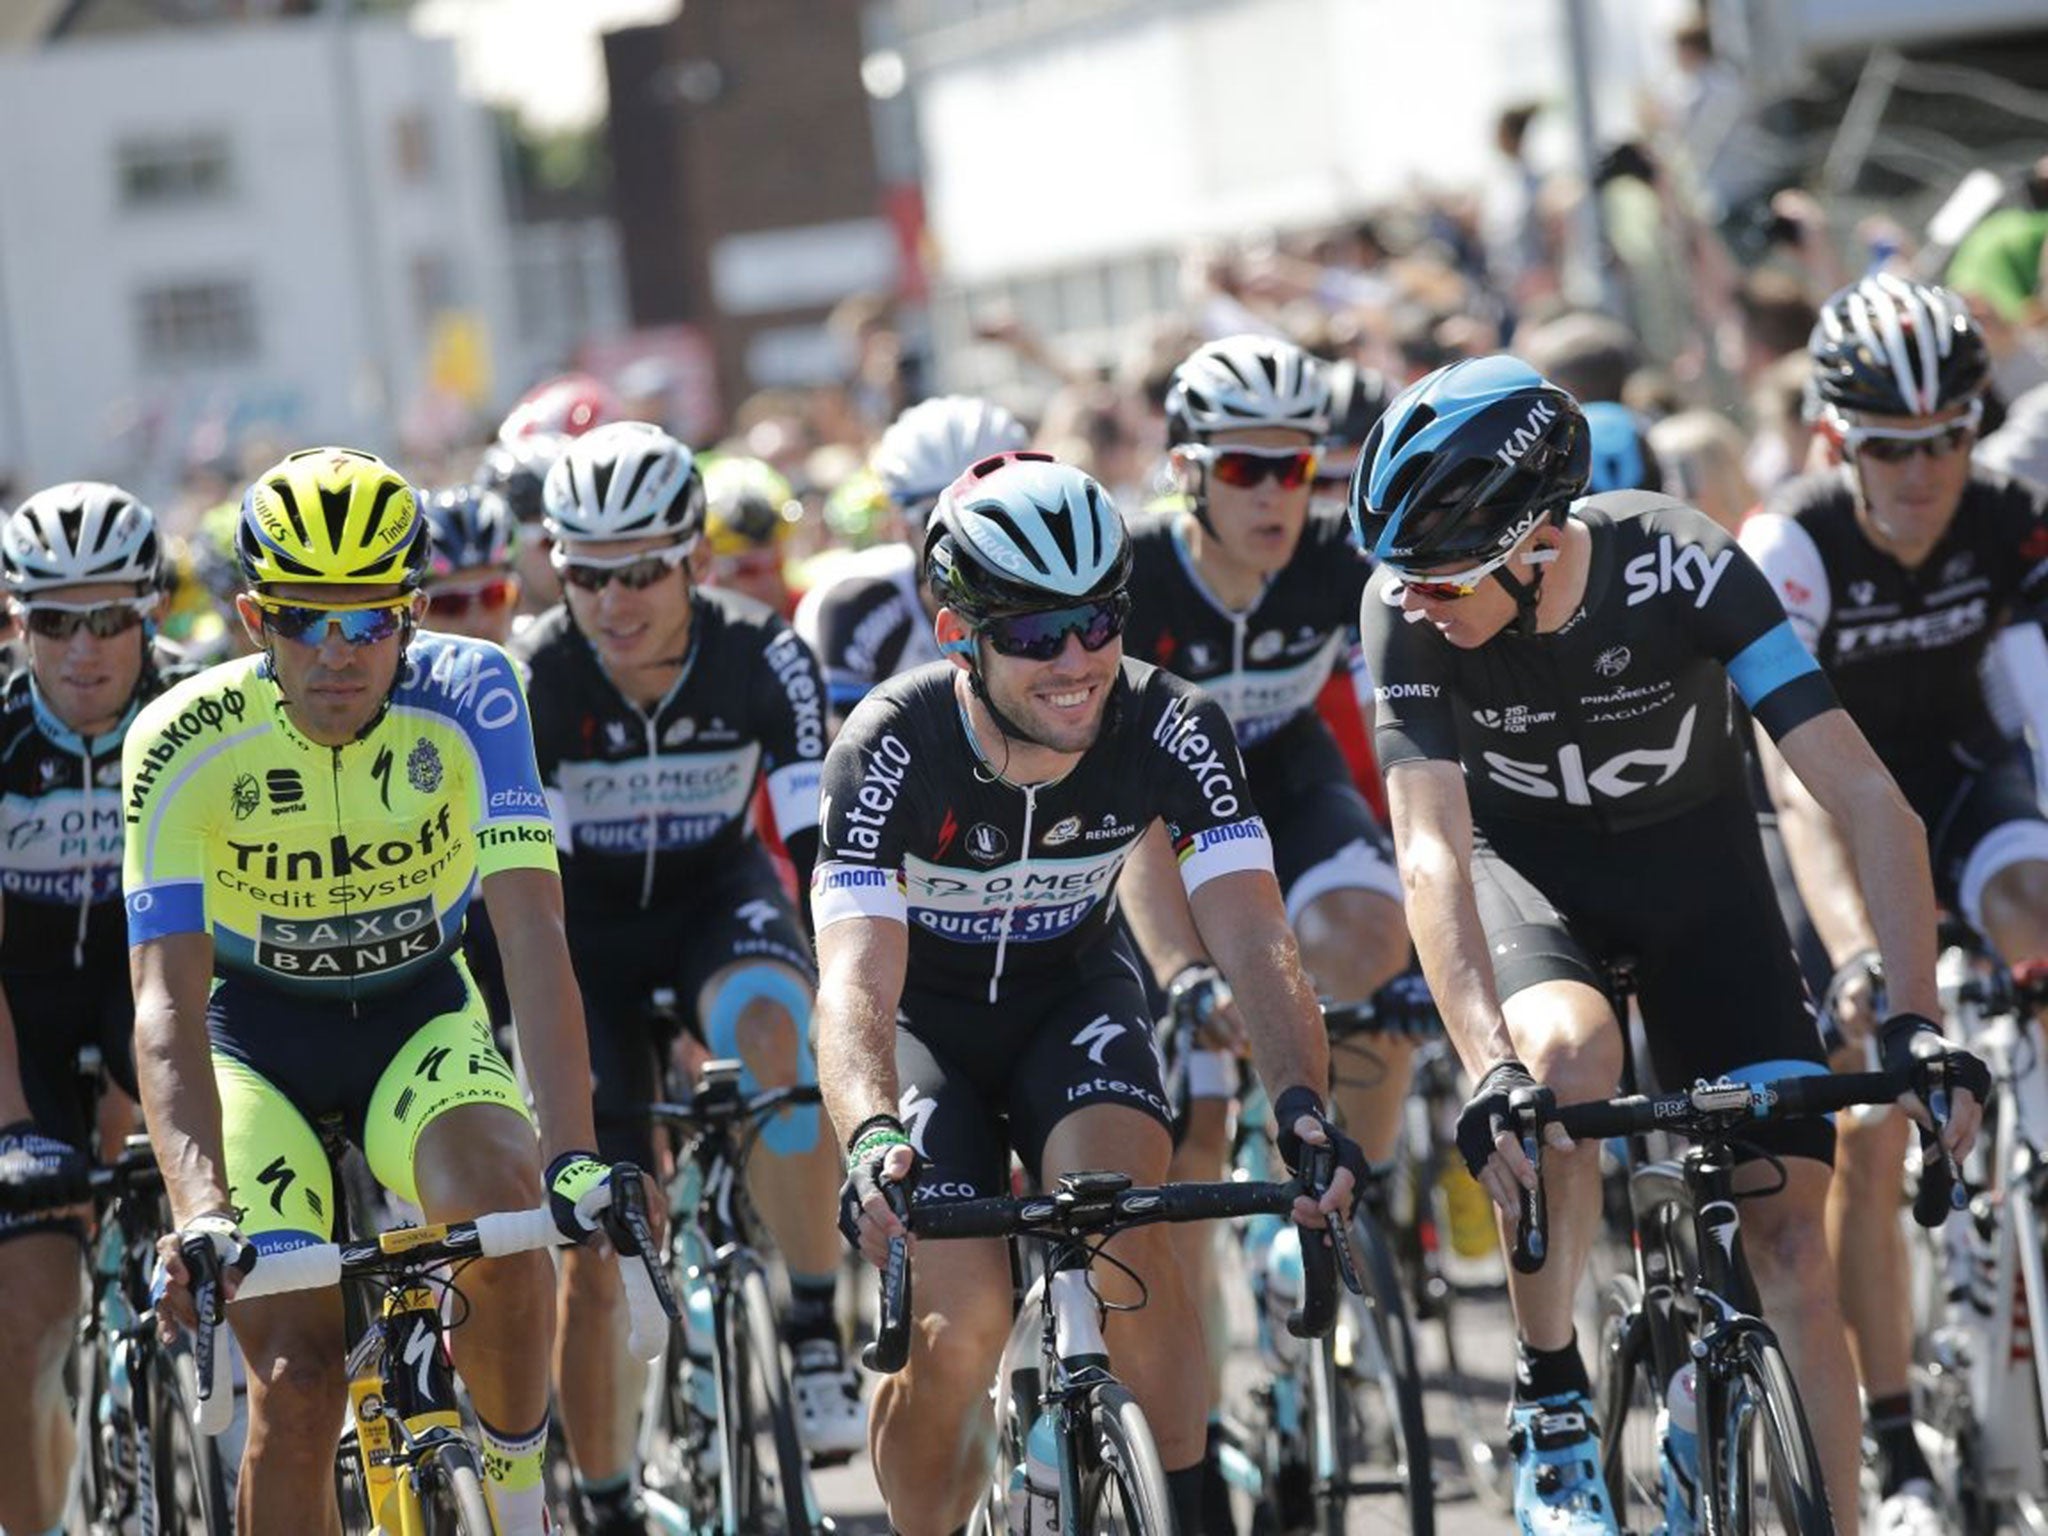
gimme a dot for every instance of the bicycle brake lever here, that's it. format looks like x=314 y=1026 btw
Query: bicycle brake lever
x=1532 y=1214
x=633 y=1234
x=889 y=1350
x=1319 y=1168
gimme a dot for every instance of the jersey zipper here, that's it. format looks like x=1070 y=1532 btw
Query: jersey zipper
x=1235 y=705
x=85 y=889
x=1022 y=880
x=341 y=828
x=653 y=809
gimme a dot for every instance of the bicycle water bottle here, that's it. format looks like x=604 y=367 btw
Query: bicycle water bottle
x=1281 y=1294
x=1678 y=1426
x=1034 y=1506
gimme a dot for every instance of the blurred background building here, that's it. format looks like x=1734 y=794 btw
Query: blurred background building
x=226 y=222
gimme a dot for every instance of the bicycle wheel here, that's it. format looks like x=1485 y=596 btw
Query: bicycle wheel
x=1123 y=1488
x=1369 y=1439
x=452 y=1499
x=764 y=1487
x=191 y=1481
x=1769 y=1478
x=1631 y=1461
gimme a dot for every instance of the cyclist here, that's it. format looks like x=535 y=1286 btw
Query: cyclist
x=750 y=510
x=1551 y=679
x=82 y=563
x=1252 y=593
x=516 y=471
x=470 y=586
x=304 y=829
x=658 y=706
x=567 y=405
x=1900 y=568
x=873 y=620
x=975 y=814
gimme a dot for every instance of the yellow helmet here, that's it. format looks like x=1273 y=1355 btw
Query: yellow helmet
x=748 y=504
x=331 y=515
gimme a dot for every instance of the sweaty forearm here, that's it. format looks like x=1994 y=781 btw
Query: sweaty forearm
x=181 y=1105
x=1890 y=846
x=1451 y=943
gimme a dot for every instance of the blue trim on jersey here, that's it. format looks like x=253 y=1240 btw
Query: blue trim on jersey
x=473 y=683
x=1769 y=662
x=176 y=906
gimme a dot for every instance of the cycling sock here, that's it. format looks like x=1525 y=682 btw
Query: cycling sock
x=1185 y=1489
x=1541 y=1373
x=514 y=1479
x=813 y=1308
x=1899 y=1456
x=1216 y=1517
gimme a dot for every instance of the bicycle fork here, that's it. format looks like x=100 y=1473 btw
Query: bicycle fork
x=401 y=1392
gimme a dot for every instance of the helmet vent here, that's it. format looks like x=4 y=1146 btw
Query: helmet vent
x=1015 y=535
x=334 y=502
x=640 y=472
x=282 y=490
x=1412 y=427
x=377 y=509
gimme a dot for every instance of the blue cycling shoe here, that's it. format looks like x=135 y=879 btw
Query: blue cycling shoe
x=1558 y=1488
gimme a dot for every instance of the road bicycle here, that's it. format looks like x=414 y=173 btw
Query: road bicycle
x=719 y=1438
x=1073 y=1448
x=1682 y=1337
x=406 y=1464
x=1984 y=1295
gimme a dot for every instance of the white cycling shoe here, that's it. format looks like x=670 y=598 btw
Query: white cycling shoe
x=830 y=1419
x=1914 y=1509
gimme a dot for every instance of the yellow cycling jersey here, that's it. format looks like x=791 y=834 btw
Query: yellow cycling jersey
x=330 y=872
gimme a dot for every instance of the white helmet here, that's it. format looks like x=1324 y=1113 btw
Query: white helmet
x=1023 y=533
x=1247 y=381
x=928 y=447
x=627 y=480
x=80 y=532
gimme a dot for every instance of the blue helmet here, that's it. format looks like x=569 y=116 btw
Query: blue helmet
x=473 y=528
x=1622 y=457
x=1465 y=461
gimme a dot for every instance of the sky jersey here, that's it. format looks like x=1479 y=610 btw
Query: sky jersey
x=1623 y=717
x=60 y=835
x=339 y=873
x=649 y=803
x=1903 y=648
x=1005 y=884
x=866 y=624
x=1266 y=665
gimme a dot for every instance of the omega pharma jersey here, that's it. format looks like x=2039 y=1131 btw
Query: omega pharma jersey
x=1266 y=665
x=1622 y=717
x=333 y=872
x=1012 y=882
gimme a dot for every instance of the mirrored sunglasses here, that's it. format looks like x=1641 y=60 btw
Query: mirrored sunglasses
x=1042 y=636
x=103 y=621
x=1895 y=445
x=357 y=623
x=453 y=602
x=1244 y=468
x=1448 y=586
x=634 y=572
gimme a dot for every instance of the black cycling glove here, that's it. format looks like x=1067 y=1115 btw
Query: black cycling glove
x=1485 y=1114
x=1297 y=1101
x=1899 y=1050
x=875 y=1138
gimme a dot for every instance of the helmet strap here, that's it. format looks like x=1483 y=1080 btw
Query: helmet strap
x=1527 y=594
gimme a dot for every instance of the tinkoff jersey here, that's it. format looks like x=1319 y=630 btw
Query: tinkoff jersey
x=340 y=873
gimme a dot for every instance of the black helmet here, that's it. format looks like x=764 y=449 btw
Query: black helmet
x=1887 y=346
x=1465 y=461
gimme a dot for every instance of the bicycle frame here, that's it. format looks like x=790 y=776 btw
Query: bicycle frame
x=402 y=1401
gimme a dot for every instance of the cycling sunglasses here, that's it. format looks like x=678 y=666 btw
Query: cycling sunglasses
x=1246 y=467
x=634 y=572
x=1895 y=445
x=1042 y=636
x=357 y=623
x=103 y=621
x=453 y=602
x=1449 y=586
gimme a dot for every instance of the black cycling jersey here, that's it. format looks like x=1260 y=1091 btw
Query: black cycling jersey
x=1003 y=883
x=1621 y=718
x=1903 y=647
x=866 y=623
x=61 y=830
x=649 y=803
x=1264 y=665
